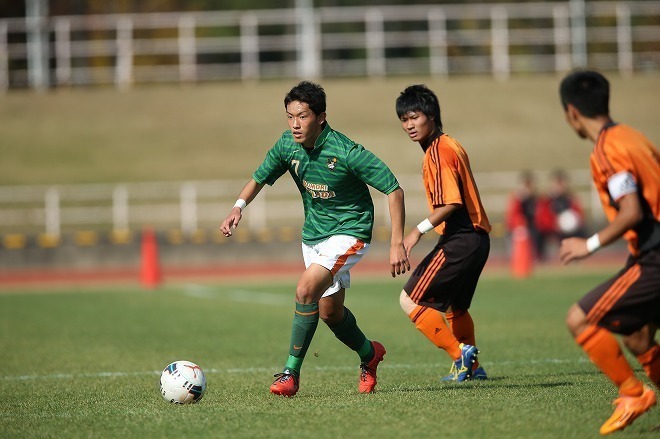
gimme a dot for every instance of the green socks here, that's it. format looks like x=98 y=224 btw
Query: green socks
x=347 y=332
x=305 y=321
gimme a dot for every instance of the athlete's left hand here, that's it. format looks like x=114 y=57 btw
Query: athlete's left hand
x=398 y=260
x=572 y=249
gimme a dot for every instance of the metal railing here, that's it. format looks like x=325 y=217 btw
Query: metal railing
x=201 y=205
x=498 y=39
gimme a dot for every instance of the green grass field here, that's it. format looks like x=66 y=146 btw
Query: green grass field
x=85 y=363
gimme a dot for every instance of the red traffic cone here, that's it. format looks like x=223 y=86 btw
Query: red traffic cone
x=522 y=255
x=150 y=274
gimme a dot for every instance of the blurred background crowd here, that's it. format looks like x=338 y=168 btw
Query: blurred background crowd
x=121 y=116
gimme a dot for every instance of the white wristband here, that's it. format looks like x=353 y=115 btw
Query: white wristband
x=593 y=243
x=240 y=203
x=425 y=226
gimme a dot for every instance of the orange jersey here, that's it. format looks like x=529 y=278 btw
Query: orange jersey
x=622 y=149
x=448 y=179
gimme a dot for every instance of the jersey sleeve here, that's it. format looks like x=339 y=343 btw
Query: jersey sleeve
x=273 y=166
x=619 y=171
x=615 y=160
x=620 y=184
x=443 y=178
x=366 y=166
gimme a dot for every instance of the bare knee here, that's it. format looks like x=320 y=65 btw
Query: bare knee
x=640 y=341
x=304 y=294
x=576 y=320
x=308 y=291
x=313 y=282
x=407 y=304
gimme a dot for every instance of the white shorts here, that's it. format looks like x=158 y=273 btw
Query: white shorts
x=338 y=254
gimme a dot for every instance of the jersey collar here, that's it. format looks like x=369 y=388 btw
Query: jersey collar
x=607 y=126
x=320 y=140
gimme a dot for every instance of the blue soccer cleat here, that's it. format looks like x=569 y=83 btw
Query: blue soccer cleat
x=452 y=375
x=461 y=370
x=479 y=374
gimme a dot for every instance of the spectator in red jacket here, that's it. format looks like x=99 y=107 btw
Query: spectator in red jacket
x=529 y=209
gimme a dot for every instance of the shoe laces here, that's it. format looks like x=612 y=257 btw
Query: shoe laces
x=366 y=371
x=283 y=377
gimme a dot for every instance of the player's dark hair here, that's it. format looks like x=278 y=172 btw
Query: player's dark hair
x=419 y=98
x=310 y=93
x=586 y=90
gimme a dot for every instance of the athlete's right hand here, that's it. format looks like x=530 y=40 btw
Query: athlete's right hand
x=231 y=222
x=399 y=262
x=411 y=240
x=572 y=249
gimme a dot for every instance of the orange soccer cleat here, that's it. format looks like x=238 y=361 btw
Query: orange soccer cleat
x=628 y=408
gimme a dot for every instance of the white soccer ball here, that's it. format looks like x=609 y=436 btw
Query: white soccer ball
x=568 y=221
x=182 y=382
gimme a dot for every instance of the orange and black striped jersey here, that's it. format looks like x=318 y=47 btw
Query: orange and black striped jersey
x=448 y=179
x=622 y=150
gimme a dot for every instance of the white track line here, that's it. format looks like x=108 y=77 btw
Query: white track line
x=255 y=370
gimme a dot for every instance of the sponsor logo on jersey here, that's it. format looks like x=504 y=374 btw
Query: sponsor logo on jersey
x=318 y=190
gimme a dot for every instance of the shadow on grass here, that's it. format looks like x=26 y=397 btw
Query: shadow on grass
x=572 y=373
x=474 y=385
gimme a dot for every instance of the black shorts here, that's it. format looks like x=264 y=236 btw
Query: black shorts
x=448 y=275
x=629 y=300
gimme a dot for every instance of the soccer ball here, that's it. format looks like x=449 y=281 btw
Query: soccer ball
x=568 y=221
x=182 y=382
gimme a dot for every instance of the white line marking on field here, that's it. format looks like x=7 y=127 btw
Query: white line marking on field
x=254 y=370
x=200 y=291
x=59 y=376
x=242 y=296
x=259 y=298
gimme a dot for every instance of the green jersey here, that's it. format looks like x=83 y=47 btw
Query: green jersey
x=332 y=179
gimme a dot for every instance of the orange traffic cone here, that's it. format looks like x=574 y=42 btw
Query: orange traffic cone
x=150 y=274
x=522 y=255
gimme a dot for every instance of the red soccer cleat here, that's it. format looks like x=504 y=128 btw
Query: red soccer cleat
x=285 y=384
x=368 y=372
